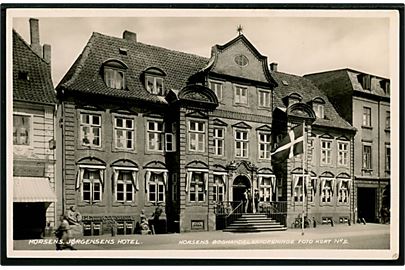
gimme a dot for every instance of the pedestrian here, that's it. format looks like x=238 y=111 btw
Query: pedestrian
x=62 y=234
x=250 y=201
x=257 y=198
x=245 y=201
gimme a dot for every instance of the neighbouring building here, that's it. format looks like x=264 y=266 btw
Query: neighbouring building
x=34 y=104
x=146 y=127
x=364 y=101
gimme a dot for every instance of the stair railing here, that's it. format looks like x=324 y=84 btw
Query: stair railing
x=234 y=214
x=277 y=211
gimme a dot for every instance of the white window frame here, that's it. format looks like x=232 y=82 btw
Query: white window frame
x=219 y=140
x=268 y=189
x=238 y=89
x=170 y=139
x=323 y=191
x=311 y=189
x=319 y=109
x=311 y=147
x=157 y=185
x=369 y=165
x=217 y=88
x=125 y=131
x=158 y=135
x=112 y=83
x=199 y=136
x=264 y=98
x=100 y=170
x=134 y=173
x=242 y=142
x=217 y=186
x=344 y=152
x=91 y=125
x=388 y=120
x=327 y=152
x=298 y=194
x=155 y=80
x=196 y=186
x=347 y=193
x=30 y=131
x=367 y=117
x=266 y=145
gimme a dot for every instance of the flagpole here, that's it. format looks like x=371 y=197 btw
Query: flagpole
x=303 y=177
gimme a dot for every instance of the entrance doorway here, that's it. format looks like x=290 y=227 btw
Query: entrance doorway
x=29 y=220
x=366 y=204
x=240 y=184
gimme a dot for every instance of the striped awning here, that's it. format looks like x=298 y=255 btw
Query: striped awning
x=33 y=189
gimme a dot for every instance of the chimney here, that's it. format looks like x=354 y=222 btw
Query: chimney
x=128 y=35
x=34 y=32
x=47 y=53
x=273 y=66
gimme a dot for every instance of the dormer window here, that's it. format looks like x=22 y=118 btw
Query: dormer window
x=294 y=98
x=318 y=105
x=154 y=81
x=114 y=74
x=365 y=81
x=385 y=85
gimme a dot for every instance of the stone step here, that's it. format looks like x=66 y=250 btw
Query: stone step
x=244 y=230
x=264 y=222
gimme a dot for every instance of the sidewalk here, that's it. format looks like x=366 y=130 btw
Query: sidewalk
x=356 y=236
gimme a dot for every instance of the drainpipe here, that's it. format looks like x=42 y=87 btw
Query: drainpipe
x=63 y=156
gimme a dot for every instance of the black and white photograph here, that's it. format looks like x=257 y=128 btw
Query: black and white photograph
x=203 y=133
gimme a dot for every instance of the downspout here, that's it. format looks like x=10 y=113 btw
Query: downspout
x=63 y=156
x=378 y=158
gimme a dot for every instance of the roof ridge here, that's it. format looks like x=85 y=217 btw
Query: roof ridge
x=83 y=57
x=30 y=48
x=149 y=45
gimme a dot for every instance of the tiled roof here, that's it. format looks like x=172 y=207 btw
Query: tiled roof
x=348 y=79
x=288 y=84
x=84 y=76
x=39 y=87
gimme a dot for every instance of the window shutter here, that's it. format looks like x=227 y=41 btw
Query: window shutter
x=147 y=179
x=79 y=178
x=188 y=180
x=135 y=180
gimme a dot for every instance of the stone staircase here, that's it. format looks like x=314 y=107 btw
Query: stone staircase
x=254 y=223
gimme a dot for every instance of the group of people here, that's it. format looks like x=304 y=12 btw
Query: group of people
x=248 y=201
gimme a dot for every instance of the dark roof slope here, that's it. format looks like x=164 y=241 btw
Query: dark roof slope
x=85 y=75
x=347 y=79
x=288 y=84
x=39 y=87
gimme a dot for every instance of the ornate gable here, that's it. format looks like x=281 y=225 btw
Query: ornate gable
x=218 y=122
x=241 y=125
x=264 y=128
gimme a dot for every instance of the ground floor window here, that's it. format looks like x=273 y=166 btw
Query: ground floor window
x=156 y=186
x=298 y=182
x=92 y=180
x=219 y=188
x=196 y=186
x=266 y=188
x=326 y=190
x=125 y=185
x=125 y=227
x=343 y=192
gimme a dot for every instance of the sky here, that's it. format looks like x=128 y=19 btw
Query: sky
x=300 y=45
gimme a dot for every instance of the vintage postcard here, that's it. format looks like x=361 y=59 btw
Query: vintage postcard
x=202 y=133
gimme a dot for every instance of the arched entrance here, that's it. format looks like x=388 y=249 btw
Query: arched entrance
x=240 y=184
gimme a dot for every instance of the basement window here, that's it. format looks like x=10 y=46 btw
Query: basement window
x=23 y=75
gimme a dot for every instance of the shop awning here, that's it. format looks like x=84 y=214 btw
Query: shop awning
x=33 y=189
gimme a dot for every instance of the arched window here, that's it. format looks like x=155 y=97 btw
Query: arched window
x=294 y=98
x=318 y=105
x=154 y=81
x=114 y=74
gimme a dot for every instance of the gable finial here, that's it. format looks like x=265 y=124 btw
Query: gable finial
x=239 y=29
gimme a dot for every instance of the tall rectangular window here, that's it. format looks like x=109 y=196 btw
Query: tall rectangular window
x=264 y=98
x=124 y=133
x=298 y=185
x=241 y=143
x=264 y=145
x=218 y=188
x=367 y=162
x=90 y=127
x=310 y=147
x=156 y=187
x=388 y=158
x=326 y=149
x=343 y=192
x=217 y=88
x=91 y=188
x=343 y=153
x=196 y=136
x=241 y=95
x=197 y=187
x=366 y=116
x=326 y=191
x=21 y=129
x=266 y=188
x=219 y=137
x=124 y=187
x=155 y=135
x=388 y=120
x=154 y=85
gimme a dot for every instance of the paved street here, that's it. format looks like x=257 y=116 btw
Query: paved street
x=370 y=236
